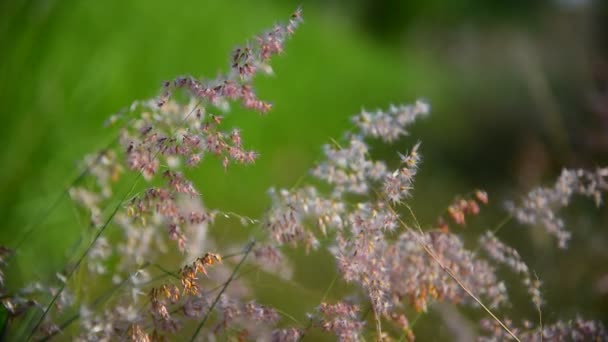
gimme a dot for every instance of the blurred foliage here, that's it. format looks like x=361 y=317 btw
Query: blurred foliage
x=518 y=91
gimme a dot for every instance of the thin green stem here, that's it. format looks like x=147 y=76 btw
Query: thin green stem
x=502 y=223
x=96 y=302
x=217 y=298
x=496 y=229
x=81 y=258
x=97 y=236
x=35 y=224
x=166 y=271
x=540 y=316
x=404 y=334
x=331 y=285
x=288 y=316
x=308 y=327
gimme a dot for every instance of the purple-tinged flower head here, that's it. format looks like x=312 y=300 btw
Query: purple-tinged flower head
x=573 y=330
x=348 y=169
x=175 y=207
x=341 y=320
x=271 y=259
x=257 y=319
x=291 y=209
x=179 y=184
x=397 y=185
x=391 y=124
x=509 y=257
x=540 y=206
x=416 y=276
x=372 y=219
x=98 y=257
x=196 y=306
x=171 y=129
x=245 y=63
x=120 y=320
x=287 y=335
x=106 y=169
x=260 y=313
x=361 y=253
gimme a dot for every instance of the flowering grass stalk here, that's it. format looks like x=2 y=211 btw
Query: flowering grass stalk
x=354 y=206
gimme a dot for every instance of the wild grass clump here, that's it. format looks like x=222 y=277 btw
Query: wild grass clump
x=353 y=206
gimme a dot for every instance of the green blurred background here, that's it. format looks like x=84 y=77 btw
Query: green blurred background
x=518 y=90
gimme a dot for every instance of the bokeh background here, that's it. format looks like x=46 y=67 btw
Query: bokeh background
x=518 y=90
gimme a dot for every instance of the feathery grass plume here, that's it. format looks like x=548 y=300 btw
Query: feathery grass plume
x=541 y=205
x=573 y=330
x=159 y=137
x=508 y=256
x=341 y=319
x=355 y=208
x=393 y=271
